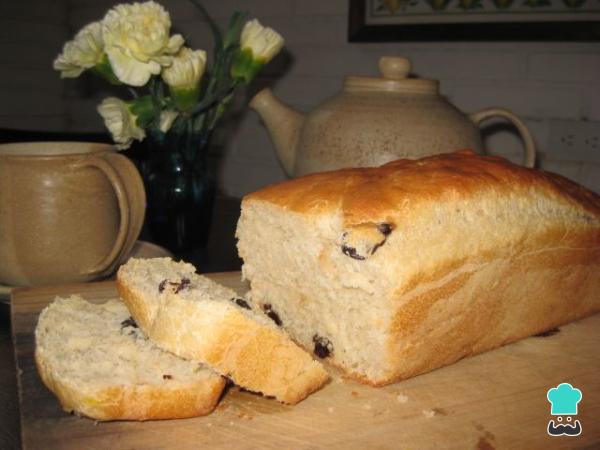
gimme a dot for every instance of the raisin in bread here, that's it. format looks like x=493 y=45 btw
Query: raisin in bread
x=100 y=365
x=394 y=271
x=196 y=318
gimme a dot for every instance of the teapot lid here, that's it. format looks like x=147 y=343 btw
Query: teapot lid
x=395 y=72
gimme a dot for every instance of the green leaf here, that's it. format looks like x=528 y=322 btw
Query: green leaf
x=143 y=108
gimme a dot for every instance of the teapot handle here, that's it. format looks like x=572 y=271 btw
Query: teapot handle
x=528 y=141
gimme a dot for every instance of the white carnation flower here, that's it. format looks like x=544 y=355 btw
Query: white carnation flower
x=186 y=69
x=137 y=42
x=263 y=42
x=121 y=122
x=83 y=52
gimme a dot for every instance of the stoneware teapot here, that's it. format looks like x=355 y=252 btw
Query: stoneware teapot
x=376 y=120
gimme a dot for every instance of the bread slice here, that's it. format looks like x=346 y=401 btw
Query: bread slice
x=393 y=271
x=198 y=319
x=99 y=364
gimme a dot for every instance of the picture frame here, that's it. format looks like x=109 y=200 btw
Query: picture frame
x=473 y=20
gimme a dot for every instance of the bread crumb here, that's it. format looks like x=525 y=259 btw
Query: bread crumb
x=367 y=406
x=330 y=409
x=435 y=412
x=355 y=394
x=429 y=413
x=401 y=398
x=231 y=423
x=209 y=424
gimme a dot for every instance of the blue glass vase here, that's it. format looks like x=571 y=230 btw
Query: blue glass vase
x=180 y=190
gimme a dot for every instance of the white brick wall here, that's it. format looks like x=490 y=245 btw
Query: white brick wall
x=31 y=95
x=555 y=87
x=565 y=66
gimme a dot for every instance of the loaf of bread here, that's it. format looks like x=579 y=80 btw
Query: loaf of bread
x=198 y=319
x=99 y=364
x=394 y=271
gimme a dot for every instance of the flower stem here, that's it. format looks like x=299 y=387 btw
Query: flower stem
x=218 y=36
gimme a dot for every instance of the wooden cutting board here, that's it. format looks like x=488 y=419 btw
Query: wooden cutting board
x=491 y=401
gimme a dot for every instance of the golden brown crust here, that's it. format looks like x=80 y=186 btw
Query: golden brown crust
x=142 y=402
x=254 y=356
x=501 y=300
x=377 y=194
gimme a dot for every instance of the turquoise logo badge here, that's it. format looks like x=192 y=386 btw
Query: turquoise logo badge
x=564 y=399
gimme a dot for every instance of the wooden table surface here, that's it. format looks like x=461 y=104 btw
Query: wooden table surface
x=9 y=404
x=491 y=401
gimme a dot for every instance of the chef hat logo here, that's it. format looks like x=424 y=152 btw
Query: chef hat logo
x=564 y=399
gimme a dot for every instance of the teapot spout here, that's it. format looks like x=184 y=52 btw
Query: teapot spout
x=284 y=124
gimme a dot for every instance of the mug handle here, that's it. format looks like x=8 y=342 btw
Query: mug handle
x=112 y=175
x=136 y=194
x=528 y=141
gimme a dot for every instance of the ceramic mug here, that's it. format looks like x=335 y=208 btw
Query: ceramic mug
x=69 y=211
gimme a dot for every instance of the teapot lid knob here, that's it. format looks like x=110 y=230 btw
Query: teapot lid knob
x=394 y=67
x=395 y=72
